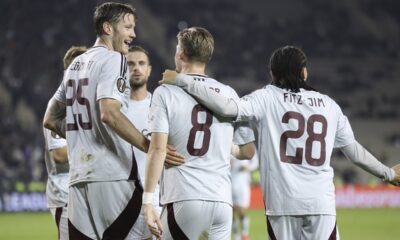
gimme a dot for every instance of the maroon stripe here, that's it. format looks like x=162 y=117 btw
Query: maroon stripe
x=333 y=234
x=58 y=218
x=134 y=175
x=175 y=230
x=120 y=228
x=270 y=230
x=75 y=234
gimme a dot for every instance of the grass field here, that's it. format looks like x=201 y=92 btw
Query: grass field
x=354 y=224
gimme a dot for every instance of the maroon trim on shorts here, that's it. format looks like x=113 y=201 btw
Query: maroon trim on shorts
x=270 y=230
x=175 y=230
x=120 y=228
x=134 y=175
x=333 y=234
x=75 y=234
x=58 y=218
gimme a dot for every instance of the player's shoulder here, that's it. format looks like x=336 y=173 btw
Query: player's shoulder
x=164 y=89
x=222 y=88
x=104 y=54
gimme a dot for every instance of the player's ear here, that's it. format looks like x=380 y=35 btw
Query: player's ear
x=108 y=28
x=304 y=74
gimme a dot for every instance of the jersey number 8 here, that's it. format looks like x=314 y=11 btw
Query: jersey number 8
x=199 y=127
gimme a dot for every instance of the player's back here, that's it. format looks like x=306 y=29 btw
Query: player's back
x=95 y=152
x=204 y=139
x=298 y=132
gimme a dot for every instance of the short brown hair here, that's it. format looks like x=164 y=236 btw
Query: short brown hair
x=197 y=43
x=137 y=48
x=72 y=53
x=110 y=12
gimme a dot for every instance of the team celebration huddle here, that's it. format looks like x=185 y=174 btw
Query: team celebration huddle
x=124 y=163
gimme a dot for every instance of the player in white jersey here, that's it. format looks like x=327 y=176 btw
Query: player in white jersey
x=241 y=181
x=138 y=108
x=196 y=196
x=56 y=159
x=105 y=192
x=298 y=128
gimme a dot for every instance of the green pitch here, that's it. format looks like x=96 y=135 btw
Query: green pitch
x=354 y=224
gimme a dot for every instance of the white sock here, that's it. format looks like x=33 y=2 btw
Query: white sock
x=245 y=222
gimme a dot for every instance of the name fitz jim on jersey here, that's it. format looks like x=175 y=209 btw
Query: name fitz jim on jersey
x=297 y=133
x=203 y=138
x=95 y=152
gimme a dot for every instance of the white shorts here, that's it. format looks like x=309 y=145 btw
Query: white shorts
x=241 y=194
x=60 y=216
x=192 y=219
x=106 y=210
x=307 y=227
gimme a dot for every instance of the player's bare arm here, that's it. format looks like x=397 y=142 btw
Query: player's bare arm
x=112 y=117
x=54 y=118
x=118 y=122
x=223 y=106
x=60 y=155
x=244 y=151
x=154 y=166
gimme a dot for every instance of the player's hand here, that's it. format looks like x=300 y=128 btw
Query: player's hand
x=244 y=168
x=396 y=180
x=169 y=77
x=173 y=157
x=152 y=220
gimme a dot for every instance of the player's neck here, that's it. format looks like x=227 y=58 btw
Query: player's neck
x=139 y=94
x=103 y=42
x=194 y=68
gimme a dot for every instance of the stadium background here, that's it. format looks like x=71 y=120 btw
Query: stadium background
x=353 y=51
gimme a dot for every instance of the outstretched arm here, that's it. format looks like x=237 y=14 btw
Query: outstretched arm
x=216 y=102
x=365 y=160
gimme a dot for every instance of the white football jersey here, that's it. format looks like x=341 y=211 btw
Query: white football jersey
x=240 y=176
x=57 y=182
x=137 y=113
x=297 y=132
x=95 y=152
x=203 y=138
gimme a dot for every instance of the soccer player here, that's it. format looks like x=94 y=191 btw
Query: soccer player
x=241 y=181
x=105 y=192
x=138 y=108
x=196 y=196
x=56 y=159
x=298 y=128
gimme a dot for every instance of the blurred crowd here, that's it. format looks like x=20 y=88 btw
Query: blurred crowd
x=352 y=48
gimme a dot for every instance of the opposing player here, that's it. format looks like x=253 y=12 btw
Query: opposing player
x=298 y=128
x=196 y=196
x=138 y=108
x=241 y=181
x=105 y=192
x=56 y=159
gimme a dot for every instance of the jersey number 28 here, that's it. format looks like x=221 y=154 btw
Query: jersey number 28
x=312 y=137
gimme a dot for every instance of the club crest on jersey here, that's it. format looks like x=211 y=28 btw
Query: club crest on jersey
x=121 y=84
